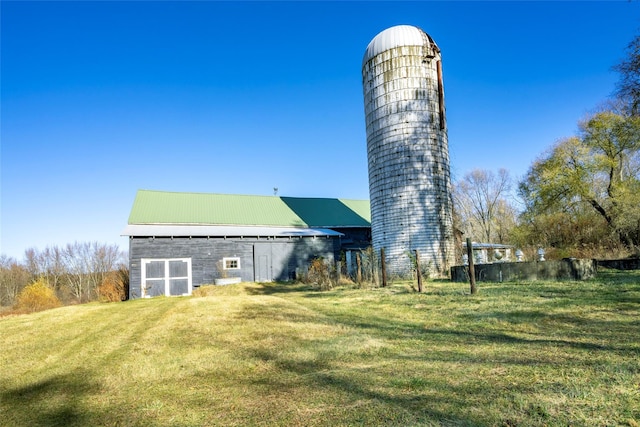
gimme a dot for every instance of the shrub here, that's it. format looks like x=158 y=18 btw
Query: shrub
x=370 y=268
x=37 y=296
x=319 y=274
x=115 y=286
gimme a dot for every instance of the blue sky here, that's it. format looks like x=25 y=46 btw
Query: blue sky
x=100 y=99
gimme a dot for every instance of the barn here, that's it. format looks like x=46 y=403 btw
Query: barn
x=179 y=241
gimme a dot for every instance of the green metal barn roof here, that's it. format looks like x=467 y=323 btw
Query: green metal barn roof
x=160 y=207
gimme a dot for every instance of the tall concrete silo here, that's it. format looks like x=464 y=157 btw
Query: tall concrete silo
x=407 y=150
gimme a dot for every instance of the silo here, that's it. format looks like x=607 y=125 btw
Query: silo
x=407 y=150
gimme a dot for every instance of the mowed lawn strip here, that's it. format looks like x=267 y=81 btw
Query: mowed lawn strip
x=283 y=354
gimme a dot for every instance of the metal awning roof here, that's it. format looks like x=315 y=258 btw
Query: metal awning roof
x=478 y=245
x=169 y=230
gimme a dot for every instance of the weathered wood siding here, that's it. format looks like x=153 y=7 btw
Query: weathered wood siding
x=354 y=237
x=283 y=256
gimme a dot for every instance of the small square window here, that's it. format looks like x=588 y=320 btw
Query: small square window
x=231 y=263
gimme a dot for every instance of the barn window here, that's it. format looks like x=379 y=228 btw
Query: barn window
x=168 y=277
x=231 y=263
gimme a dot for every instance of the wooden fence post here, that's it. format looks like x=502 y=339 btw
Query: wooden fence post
x=418 y=272
x=472 y=270
x=358 y=268
x=384 y=268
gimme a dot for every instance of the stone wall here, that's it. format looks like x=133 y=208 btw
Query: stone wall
x=565 y=269
x=620 y=264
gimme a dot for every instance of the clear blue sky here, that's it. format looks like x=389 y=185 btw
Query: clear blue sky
x=100 y=99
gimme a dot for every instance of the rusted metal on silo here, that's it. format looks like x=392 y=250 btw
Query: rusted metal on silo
x=407 y=150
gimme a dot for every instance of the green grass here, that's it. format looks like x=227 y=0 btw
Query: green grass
x=515 y=354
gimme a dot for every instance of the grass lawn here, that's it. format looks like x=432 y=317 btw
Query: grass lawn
x=515 y=354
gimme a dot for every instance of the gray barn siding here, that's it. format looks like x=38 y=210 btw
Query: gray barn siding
x=355 y=237
x=284 y=256
x=204 y=254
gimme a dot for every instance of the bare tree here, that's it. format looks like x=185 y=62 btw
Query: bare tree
x=76 y=259
x=628 y=88
x=482 y=205
x=13 y=278
x=47 y=264
x=77 y=269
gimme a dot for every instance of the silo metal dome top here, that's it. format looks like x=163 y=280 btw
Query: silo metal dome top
x=400 y=35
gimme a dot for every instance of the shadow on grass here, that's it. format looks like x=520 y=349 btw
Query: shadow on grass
x=56 y=401
x=379 y=400
x=618 y=277
x=70 y=399
x=275 y=288
x=477 y=331
x=314 y=365
x=582 y=333
x=64 y=401
x=309 y=291
x=313 y=368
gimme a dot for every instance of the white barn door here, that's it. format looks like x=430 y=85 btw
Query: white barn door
x=169 y=277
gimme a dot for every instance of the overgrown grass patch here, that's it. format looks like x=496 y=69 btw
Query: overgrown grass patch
x=275 y=354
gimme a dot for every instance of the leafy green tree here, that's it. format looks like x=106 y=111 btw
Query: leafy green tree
x=599 y=170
